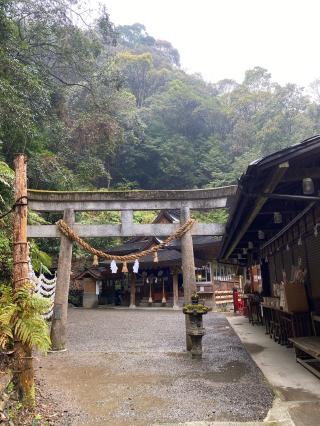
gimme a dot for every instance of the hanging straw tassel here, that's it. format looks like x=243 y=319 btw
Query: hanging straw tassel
x=95 y=260
x=155 y=257
x=124 y=267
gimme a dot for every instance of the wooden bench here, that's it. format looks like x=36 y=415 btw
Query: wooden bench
x=308 y=349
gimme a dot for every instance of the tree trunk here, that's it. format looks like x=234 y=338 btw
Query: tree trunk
x=23 y=367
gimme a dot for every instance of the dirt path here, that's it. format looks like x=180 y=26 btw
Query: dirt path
x=130 y=368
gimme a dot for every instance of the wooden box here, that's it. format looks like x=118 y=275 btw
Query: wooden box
x=295 y=297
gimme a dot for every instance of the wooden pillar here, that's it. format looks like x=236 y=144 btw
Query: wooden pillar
x=175 y=290
x=60 y=311
x=23 y=376
x=188 y=268
x=132 y=291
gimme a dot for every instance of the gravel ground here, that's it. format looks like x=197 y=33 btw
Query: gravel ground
x=129 y=367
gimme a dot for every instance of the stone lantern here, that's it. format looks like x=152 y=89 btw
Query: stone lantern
x=195 y=330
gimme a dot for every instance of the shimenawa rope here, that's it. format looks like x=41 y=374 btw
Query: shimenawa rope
x=71 y=234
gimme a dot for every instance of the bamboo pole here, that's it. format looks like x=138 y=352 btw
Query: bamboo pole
x=23 y=376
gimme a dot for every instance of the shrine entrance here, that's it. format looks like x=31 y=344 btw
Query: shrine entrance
x=68 y=231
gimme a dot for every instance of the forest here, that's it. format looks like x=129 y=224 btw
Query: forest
x=94 y=105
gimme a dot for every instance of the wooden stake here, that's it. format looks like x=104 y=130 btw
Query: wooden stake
x=175 y=290
x=23 y=376
x=60 y=311
x=132 y=291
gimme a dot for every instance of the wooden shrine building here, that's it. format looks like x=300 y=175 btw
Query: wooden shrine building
x=274 y=232
x=156 y=283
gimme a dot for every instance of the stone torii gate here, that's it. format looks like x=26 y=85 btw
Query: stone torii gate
x=126 y=202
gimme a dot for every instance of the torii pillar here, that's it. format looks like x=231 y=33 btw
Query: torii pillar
x=188 y=267
x=60 y=310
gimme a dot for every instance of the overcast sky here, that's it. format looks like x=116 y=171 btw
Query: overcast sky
x=223 y=38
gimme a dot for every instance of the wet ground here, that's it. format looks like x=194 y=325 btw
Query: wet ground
x=129 y=367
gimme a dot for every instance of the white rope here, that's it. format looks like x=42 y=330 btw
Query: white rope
x=48 y=282
x=44 y=287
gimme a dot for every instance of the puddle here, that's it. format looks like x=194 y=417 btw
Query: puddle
x=253 y=348
x=230 y=372
x=296 y=394
x=305 y=414
x=178 y=354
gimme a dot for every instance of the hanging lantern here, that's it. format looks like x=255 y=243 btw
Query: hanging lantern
x=261 y=235
x=277 y=217
x=124 y=268
x=113 y=267
x=300 y=241
x=307 y=186
x=244 y=251
x=95 y=260
x=155 y=257
x=136 y=266
x=287 y=247
x=250 y=245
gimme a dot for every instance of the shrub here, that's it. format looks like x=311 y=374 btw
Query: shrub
x=21 y=316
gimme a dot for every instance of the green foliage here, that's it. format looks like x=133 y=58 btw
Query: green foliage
x=5 y=254
x=20 y=317
x=109 y=107
x=144 y=216
x=6 y=185
x=101 y=106
x=197 y=309
x=40 y=259
x=213 y=216
x=6 y=201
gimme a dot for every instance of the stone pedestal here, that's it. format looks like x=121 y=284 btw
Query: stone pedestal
x=196 y=332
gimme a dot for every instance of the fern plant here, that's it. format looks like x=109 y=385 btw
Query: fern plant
x=21 y=316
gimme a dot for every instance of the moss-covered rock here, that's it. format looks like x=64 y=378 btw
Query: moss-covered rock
x=198 y=309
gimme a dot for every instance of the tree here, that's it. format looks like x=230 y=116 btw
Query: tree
x=136 y=71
